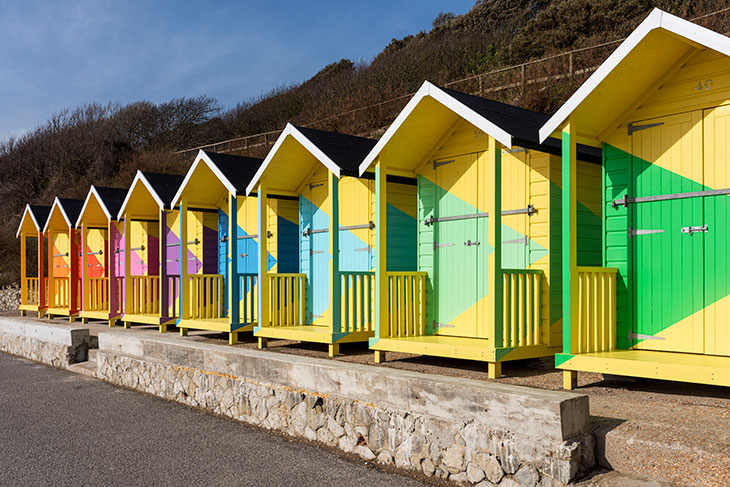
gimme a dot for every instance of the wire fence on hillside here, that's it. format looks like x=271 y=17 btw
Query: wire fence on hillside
x=517 y=84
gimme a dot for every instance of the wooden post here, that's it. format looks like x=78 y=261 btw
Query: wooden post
x=41 y=279
x=111 y=273
x=184 y=283
x=569 y=236
x=381 y=276
x=127 y=265
x=23 y=270
x=73 y=274
x=335 y=295
x=164 y=278
x=84 y=268
x=234 y=290
x=263 y=284
x=493 y=191
x=51 y=294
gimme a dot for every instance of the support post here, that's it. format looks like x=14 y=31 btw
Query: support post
x=493 y=190
x=233 y=338
x=494 y=370
x=381 y=276
x=263 y=284
x=51 y=293
x=73 y=274
x=333 y=349
x=569 y=236
x=335 y=295
x=184 y=283
x=41 y=278
x=570 y=379
x=23 y=270
x=127 y=266
x=84 y=268
x=263 y=343
x=234 y=290
x=164 y=277
x=111 y=272
x=379 y=357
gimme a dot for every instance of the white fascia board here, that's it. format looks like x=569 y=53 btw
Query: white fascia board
x=205 y=158
x=291 y=131
x=57 y=202
x=27 y=211
x=93 y=191
x=429 y=89
x=139 y=179
x=657 y=19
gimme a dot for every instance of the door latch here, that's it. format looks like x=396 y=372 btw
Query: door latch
x=469 y=243
x=696 y=229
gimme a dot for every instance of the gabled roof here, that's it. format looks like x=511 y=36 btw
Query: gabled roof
x=110 y=200
x=234 y=172
x=509 y=125
x=38 y=215
x=642 y=55
x=162 y=187
x=340 y=153
x=70 y=209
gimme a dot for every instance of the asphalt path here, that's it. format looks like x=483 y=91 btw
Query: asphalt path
x=60 y=428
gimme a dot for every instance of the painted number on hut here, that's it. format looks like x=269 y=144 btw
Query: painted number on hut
x=706 y=85
x=478 y=134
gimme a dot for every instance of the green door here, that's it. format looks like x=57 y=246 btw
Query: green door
x=456 y=246
x=668 y=278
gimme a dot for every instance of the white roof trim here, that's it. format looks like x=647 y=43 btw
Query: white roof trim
x=429 y=89
x=291 y=131
x=93 y=191
x=57 y=202
x=202 y=156
x=27 y=210
x=657 y=19
x=139 y=178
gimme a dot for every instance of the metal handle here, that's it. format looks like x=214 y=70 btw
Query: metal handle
x=696 y=229
x=469 y=243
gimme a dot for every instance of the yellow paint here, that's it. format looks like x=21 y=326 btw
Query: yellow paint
x=595 y=328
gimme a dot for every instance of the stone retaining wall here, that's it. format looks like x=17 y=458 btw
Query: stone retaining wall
x=56 y=345
x=468 y=431
x=9 y=298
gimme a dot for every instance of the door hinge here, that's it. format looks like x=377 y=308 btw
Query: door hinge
x=442 y=245
x=516 y=150
x=696 y=229
x=437 y=325
x=312 y=252
x=641 y=336
x=244 y=255
x=362 y=249
x=469 y=243
x=523 y=240
x=634 y=232
x=312 y=186
x=635 y=128
x=442 y=163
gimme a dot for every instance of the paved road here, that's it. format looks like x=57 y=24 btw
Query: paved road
x=60 y=428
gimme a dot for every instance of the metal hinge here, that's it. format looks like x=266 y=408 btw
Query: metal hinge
x=634 y=232
x=442 y=163
x=312 y=186
x=312 y=252
x=437 y=325
x=696 y=229
x=100 y=252
x=442 y=245
x=635 y=128
x=314 y=316
x=523 y=240
x=530 y=210
x=244 y=255
x=640 y=336
x=363 y=249
x=516 y=150
x=469 y=243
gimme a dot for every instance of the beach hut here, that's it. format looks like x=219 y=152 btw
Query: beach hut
x=64 y=258
x=657 y=306
x=32 y=288
x=485 y=282
x=99 y=229
x=219 y=280
x=324 y=299
x=148 y=251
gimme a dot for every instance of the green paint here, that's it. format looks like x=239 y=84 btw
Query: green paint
x=561 y=358
x=567 y=225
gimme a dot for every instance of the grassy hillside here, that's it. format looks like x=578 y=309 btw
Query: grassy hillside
x=106 y=144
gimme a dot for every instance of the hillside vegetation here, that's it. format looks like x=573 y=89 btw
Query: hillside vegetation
x=106 y=144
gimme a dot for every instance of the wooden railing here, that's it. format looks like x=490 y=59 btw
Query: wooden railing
x=206 y=296
x=358 y=301
x=522 y=316
x=144 y=295
x=249 y=304
x=173 y=296
x=30 y=293
x=98 y=294
x=120 y=294
x=407 y=306
x=61 y=297
x=288 y=302
x=595 y=330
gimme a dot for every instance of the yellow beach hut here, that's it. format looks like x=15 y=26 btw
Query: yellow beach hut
x=485 y=284
x=327 y=299
x=33 y=287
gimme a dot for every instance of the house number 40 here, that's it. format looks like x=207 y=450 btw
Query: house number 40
x=704 y=86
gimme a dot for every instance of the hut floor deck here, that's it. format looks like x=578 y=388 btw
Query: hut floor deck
x=214 y=324
x=686 y=367
x=144 y=318
x=311 y=333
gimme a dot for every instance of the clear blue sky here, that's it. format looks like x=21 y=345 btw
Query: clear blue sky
x=63 y=54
